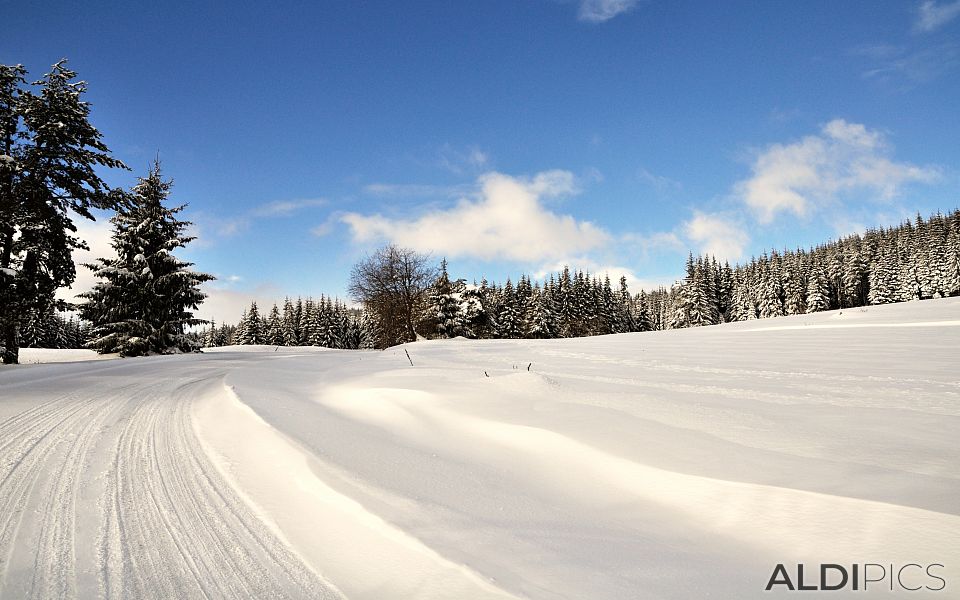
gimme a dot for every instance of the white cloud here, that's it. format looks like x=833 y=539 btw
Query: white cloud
x=504 y=218
x=931 y=15
x=326 y=228
x=717 y=235
x=599 y=11
x=845 y=158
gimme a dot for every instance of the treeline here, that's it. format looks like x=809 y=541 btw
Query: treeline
x=913 y=261
x=49 y=329
x=326 y=322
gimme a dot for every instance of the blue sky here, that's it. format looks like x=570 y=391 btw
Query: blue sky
x=513 y=136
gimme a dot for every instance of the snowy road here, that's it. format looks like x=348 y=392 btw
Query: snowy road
x=668 y=465
x=104 y=490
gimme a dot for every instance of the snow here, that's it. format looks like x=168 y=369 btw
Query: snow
x=260 y=348
x=49 y=355
x=677 y=464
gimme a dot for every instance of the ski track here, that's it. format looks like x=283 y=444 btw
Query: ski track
x=169 y=526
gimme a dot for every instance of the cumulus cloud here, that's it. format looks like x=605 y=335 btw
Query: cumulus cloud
x=932 y=15
x=844 y=158
x=504 y=219
x=599 y=11
x=717 y=235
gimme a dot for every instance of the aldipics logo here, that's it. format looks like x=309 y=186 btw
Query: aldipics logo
x=909 y=577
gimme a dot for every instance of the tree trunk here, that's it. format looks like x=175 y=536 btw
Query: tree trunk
x=11 y=343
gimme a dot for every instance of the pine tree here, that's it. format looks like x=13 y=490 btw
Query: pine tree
x=625 y=321
x=370 y=333
x=330 y=336
x=49 y=153
x=252 y=333
x=684 y=298
x=509 y=324
x=289 y=333
x=883 y=277
x=147 y=297
x=274 y=329
x=240 y=333
x=644 y=313
x=210 y=340
x=543 y=323
x=444 y=306
x=818 y=295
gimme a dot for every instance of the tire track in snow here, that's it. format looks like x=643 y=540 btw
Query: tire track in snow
x=54 y=573
x=170 y=526
x=174 y=528
x=24 y=457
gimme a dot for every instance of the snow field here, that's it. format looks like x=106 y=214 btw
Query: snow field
x=674 y=463
x=679 y=464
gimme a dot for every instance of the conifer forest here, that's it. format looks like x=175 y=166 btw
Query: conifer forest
x=916 y=260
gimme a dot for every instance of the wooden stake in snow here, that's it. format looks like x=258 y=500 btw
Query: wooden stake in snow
x=408 y=356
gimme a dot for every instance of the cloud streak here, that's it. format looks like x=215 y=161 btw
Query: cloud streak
x=601 y=11
x=932 y=15
x=286 y=208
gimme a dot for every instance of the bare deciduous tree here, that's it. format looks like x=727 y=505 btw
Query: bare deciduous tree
x=392 y=284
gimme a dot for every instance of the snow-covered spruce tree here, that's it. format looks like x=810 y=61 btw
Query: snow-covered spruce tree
x=626 y=322
x=289 y=331
x=818 y=291
x=147 y=296
x=274 y=329
x=544 y=318
x=444 y=306
x=250 y=329
x=509 y=319
x=330 y=336
x=49 y=153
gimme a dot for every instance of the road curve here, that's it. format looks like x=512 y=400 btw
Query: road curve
x=105 y=491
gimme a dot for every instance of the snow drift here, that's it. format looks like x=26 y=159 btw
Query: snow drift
x=678 y=464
